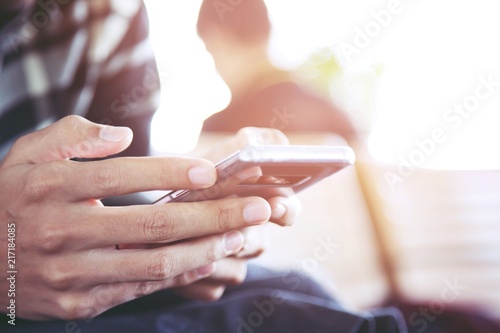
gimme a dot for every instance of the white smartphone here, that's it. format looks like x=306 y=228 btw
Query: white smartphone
x=269 y=171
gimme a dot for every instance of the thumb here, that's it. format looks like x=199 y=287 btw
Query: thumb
x=70 y=137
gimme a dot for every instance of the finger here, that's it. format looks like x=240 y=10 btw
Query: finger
x=162 y=263
x=285 y=210
x=256 y=241
x=106 y=296
x=119 y=176
x=70 y=137
x=245 y=137
x=229 y=271
x=168 y=223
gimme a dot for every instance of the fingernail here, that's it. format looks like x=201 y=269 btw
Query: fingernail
x=205 y=271
x=278 y=212
x=114 y=134
x=202 y=175
x=233 y=242
x=256 y=212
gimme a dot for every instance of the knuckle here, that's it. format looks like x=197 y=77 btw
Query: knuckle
x=73 y=125
x=74 y=308
x=51 y=239
x=42 y=181
x=246 y=132
x=239 y=276
x=107 y=177
x=271 y=136
x=59 y=280
x=81 y=149
x=237 y=280
x=277 y=136
x=145 y=288
x=213 y=252
x=184 y=279
x=166 y=173
x=224 y=218
x=68 y=125
x=244 y=135
x=159 y=226
x=214 y=293
x=161 y=267
x=72 y=121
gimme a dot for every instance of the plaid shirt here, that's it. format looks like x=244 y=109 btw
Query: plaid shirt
x=84 y=57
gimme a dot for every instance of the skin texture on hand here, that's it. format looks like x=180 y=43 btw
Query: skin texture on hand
x=284 y=210
x=232 y=271
x=67 y=263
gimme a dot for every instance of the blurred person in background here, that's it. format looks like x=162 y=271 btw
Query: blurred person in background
x=237 y=37
x=236 y=34
x=78 y=83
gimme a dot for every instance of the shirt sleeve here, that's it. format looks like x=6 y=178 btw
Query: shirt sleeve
x=128 y=89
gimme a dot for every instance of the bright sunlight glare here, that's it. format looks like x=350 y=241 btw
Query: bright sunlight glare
x=437 y=94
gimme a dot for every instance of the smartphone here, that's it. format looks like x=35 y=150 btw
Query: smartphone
x=268 y=171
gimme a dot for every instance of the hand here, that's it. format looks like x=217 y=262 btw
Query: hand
x=229 y=271
x=284 y=210
x=67 y=263
x=232 y=271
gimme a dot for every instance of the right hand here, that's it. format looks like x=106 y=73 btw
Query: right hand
x=233 y=270
x=67 y=264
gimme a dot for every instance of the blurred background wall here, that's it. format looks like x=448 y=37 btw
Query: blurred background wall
x=401 y=68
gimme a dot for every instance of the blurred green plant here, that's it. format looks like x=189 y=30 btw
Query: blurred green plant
x=319 y=70
x=353 y=90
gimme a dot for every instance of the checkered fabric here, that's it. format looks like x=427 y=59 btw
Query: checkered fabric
x=84 y=57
